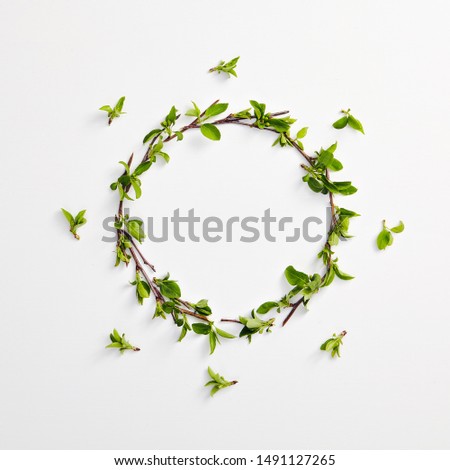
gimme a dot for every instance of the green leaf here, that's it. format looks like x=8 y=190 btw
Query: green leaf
x=315 y=185
x=398 y=228
x=201 y=328
x=266 y=307
x=325 y=158
x=384 y=239
x=279 y=124
x=69 y=217
x=135 y=229
x=210 y=131
x=224 y=334
x=302 y=133
x=152 y=134
x=295 y=278
x=342 y=275
x=195 y=111
x=335 y=165
x=142 y=168
x=341 y=123
x=106 y=108
x=170 y=289
x=215 y=109
x=355 y=124
x=212 y=341
x=143 y=290
x=119 y=105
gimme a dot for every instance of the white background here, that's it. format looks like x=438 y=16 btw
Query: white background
x=60 y=298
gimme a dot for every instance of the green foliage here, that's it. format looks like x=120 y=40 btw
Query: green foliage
x=348 y=120
x=74 y=222
x=217 y=382
x=114 y=112
x=166 y=127
x=183 y=323
x=212 y=332
x=210 y=131
x=385 y=237
x=253 y=325
x=122 y=246
x=317 y=174
x=333 y=344
x=168 y=287
x=226 y=67
x=142 y=288
x=119 y=342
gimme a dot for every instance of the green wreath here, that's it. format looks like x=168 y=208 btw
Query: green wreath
x=166 y=291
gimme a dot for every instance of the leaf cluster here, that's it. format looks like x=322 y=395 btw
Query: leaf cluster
x=317 y=174
x=226 y=67
x=385 y=237
x=217 y=382
x=120 y=342
x=114 y=112
x=333 y=344
x=209 y=130
x=348 y=120
x=212 y=332
x=75 y=222
x=254 y=325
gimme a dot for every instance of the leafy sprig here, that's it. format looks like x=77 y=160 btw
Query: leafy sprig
x=333 y=344
x=120 y=342
x=385 y=237
x=254 y=325
x=218 y=382
x=348 y=120
x=114 y=112
x=226 y=67
x=75 y=222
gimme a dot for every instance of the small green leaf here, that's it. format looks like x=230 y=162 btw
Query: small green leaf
x=341 y=275
x=355 y=124
x=302 y=133
x=224 y=334
x=210 y=131
x=384 y=239
x=170 y=289
x=69 y=217
x=201 y=328
x=295 y=278
x=266 y=307
x=215 y=109
x=398 y=228
x=341 y=123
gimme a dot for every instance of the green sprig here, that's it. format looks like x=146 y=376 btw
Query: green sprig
x=218 y=382
x=120 y=342
x=114 y=112
x=226 y=67
x=333 y=344
x=385 y=237
x=350 y=120
x=75 y=222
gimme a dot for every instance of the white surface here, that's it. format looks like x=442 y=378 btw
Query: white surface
x=388 y=61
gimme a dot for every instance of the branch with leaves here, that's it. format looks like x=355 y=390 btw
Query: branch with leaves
x=166 y=291
x=385 y=237
x=75 y=222
x=114 y=111
x=218 y=382
x=333 y=344
x=226 y=67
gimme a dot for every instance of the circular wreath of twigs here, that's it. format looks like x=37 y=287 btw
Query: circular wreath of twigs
x=166 y=291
